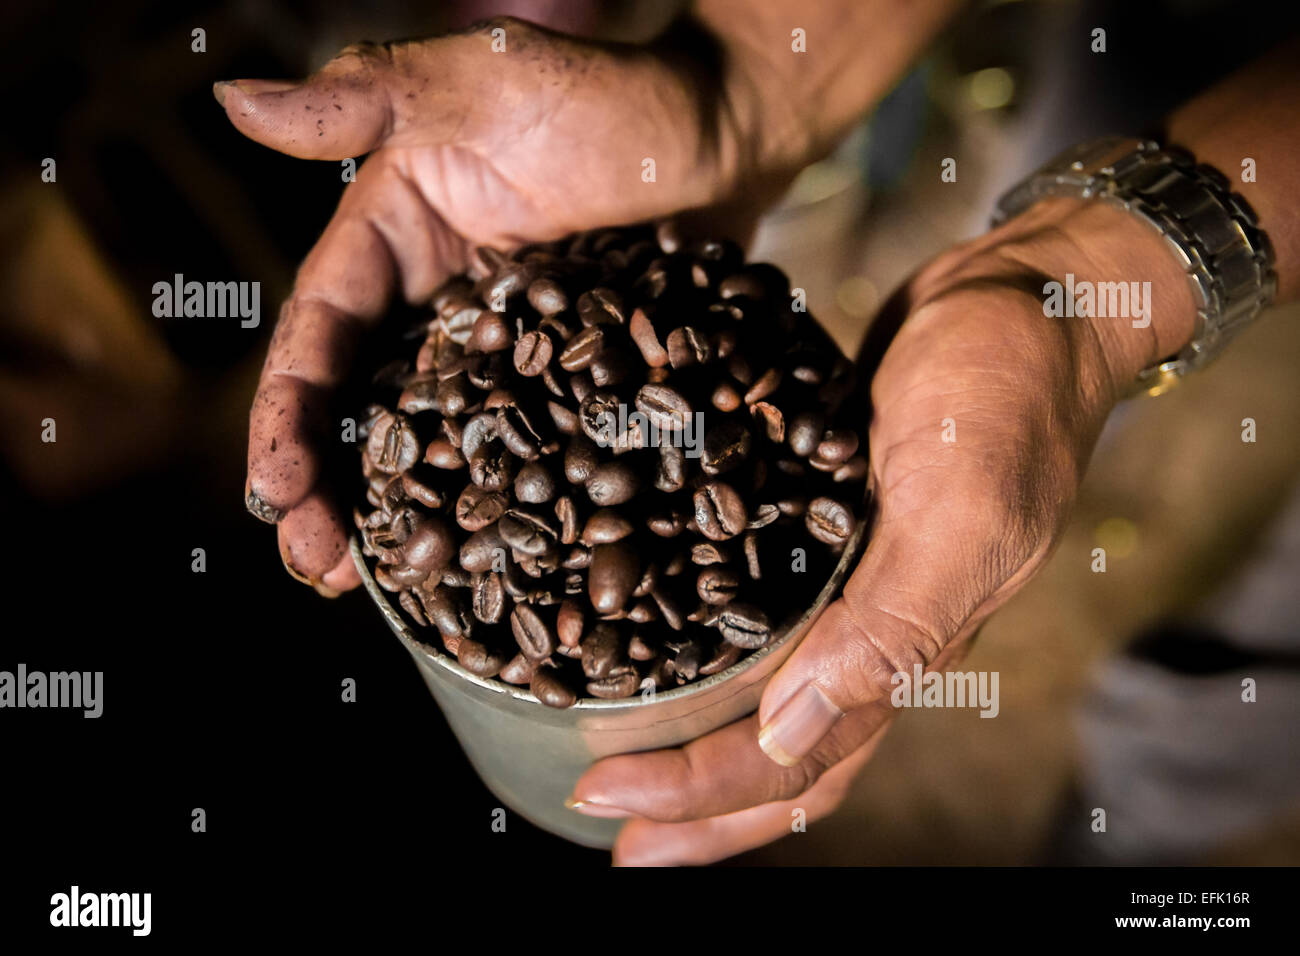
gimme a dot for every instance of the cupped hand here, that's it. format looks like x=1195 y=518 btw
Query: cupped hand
x=479 y=138
x=983 y=414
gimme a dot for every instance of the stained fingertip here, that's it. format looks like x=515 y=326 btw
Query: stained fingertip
x=260 y=508
x=342 y=577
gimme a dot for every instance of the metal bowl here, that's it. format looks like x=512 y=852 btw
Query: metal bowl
x=531 y=755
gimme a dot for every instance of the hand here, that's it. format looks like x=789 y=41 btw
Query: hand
x=962 y=523
x=470 y=147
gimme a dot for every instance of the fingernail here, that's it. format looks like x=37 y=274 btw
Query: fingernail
x=258 y=507
x=257 y=87
x=324 y=590
x=219 y=90
x=799 y=726
x=592 y=809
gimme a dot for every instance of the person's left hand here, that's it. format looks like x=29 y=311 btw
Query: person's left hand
x=961 y=524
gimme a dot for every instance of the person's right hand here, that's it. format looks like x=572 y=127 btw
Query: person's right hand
x=469 y=147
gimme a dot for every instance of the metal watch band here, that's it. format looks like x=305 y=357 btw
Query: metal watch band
x=1211 y=231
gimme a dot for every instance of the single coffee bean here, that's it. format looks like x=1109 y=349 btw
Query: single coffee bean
x=688 y=660
x=719 y=510
x=643 y=611
x=767 y=383
x=602 y=651
x=614 y=573
x=491 y=334
x=527 y=533
x=829 y=521
x=565 y=419
x=725 y=398
x=610 y=367
x=393 y=446
x=717 y=585
x=612 y=483
x=598 y=418
x=478 y=659
x=420 y=491
x=772 y=420
x=793 y=506
x=412 y=607
x=534 y=484
x=534 y=636
x=665 y=407
x=804 y=433
x=430 y=546
x=482 y=549
x=751 y=555
x=837 y=446
x=744 y=625
x=420 y=395
x=453 y=431
x=454 y=396
x=671 y=473
x=764 y=515
x=547 y=296
x=855 y=469
x=669 y=608
x=641 y=648
x=567 y=514
x=724 y=655
x=622 y=682
x=477 y=508
x=478 y=432
x=443 y=454
x=726 y=446
x=488 y=597
x=532 y=353
x=687 y=346
x=518 y=433
x=580 y=460
x=518 y=670
x=581 y=350
x=600 y=306
x=492 y=467
x=646 y=340
x=548 y=688
x=605 y=527
x=706 y=554
x=667 y=524
x=569 y=622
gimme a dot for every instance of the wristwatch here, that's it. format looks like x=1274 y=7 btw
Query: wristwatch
x=1210 y=230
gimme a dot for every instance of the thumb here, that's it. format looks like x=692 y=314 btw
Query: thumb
x=343 y=111
x=906 y=602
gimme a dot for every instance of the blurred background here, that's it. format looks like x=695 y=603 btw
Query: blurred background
x=1119 y=690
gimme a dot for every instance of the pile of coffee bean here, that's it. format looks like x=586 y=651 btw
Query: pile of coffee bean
x=611 y=462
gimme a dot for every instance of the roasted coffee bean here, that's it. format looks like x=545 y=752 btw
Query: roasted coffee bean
x=569 y=622
x=517 y=431
x=491 y=333
x=393 y=446
x=550 y=689
x=764 y=515
x=725 y=398
x=488 y=597
x=751 y=555
x=767 y=383
x=744 y=625
x=772 y=420
x=641 y=648
x=612 y=483
x=534 y=484
x=605 y=527
x=706 y=554
x=602 y=651
x=614 y=573
x=535 y=638
x=411 y=606
x=492 y=467
x=527 y=533
x=581 y=350
x=477 y=508
x=649 y=580
x=581 y=385
x=482 y=550
x=420 y=491
x=669 y=608
x=443 y=454
x=804 y=433
x=726 y=446
x=580 y=459
x=829 y=521
x=565 y=419
x=667 y=524
x=837 y=446
x=547 y=296
x=518 y=670
x=724 y=655
x=600 y=306
x=643 y=611
x=430 y=546
x=665 y=407
x=567 y=514
x=610 y=367
x=855 y=469
x=420 y=395
x=687 y=346
x=717 y=585
x=671 y=473
x=719 y=510
x=646 y=339
x=532 y=353
x=479 y=659
x=598 y=418
x=621 y=682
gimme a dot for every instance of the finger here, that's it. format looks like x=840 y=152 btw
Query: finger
x=646 y=843
x=721 y=772
x=348 y=108
x=911 y=595
x=382 y=232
